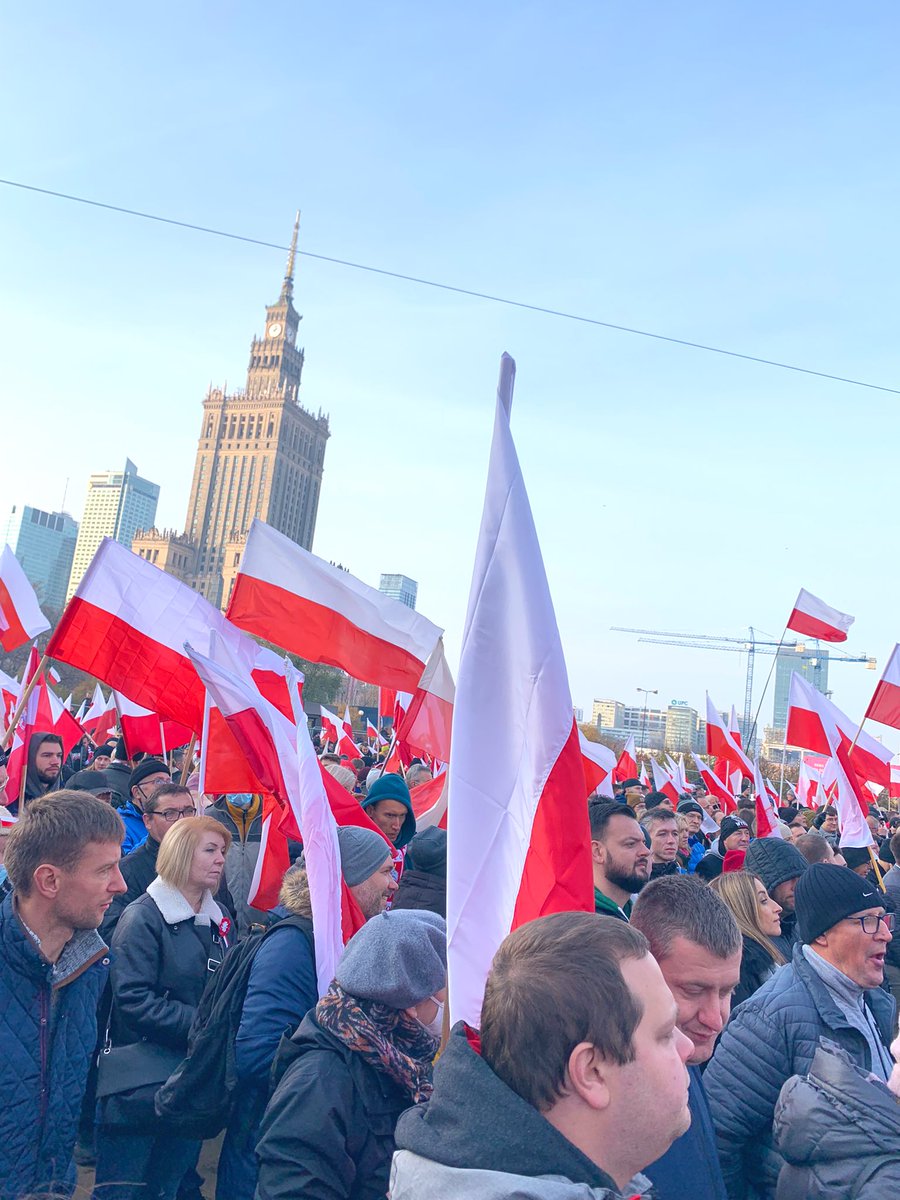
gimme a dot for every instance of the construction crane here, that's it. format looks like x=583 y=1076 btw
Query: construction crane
x=751 y=647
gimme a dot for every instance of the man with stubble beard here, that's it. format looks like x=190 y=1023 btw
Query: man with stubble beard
x=620 y=857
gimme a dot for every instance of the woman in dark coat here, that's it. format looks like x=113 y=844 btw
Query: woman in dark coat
x=165 y=947
x=759 y=920
x=357 y=1061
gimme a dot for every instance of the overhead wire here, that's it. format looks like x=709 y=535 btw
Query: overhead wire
x=457 y=290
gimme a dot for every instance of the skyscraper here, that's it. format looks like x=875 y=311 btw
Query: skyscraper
x=400 y=587
x=812 y=664
x=260 y=453
x=118 y=504
x=44 y=543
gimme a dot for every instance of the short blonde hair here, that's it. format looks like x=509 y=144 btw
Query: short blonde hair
x=176 y=853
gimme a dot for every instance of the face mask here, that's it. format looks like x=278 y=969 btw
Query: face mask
x=241 y=799
x=436 y=1027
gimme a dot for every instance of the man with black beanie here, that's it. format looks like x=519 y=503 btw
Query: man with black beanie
x=734 y=834
x=779 y=864
x=831 y=988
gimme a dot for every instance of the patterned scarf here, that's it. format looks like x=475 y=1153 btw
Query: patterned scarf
x=389 y=1040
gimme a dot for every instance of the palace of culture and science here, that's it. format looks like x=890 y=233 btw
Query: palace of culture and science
x=260 y=454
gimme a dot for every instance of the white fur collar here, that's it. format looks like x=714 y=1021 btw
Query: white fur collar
x=175 y=908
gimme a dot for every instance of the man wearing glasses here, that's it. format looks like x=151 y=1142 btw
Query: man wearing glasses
x=831 y=988
x=166 y=804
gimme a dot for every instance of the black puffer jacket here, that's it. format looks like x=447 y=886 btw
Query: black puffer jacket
x=839 y=1132
x=329 y=1129
x=423 y=884
x=757 y=965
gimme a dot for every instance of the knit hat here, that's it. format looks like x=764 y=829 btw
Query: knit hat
x=630 y=783
x=363 y=851
x=855 y=856
x=826 y=894
x=398 y=958
x=145 y=768
x=733 y=861
x=689 y=806
x=393 y=787
x=729 y=826
x=89 y=780
x=775 y=861
x=345 y=777
x=107 y=749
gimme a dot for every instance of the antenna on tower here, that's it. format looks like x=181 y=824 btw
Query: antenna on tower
x=288 y=288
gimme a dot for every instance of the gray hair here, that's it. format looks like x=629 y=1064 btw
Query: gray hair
x=680 y=906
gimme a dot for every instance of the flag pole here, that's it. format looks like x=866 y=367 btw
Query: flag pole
x=23 y=700
x=188 y=760
x=878 y=875
x=751 y=736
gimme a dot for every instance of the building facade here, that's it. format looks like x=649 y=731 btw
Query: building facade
x=607 y=713
x=676 y=728
x=812 y=664
x=170 y=551
x=400 y=587
x=118 y=504
x=44 y=544
x=260 y=454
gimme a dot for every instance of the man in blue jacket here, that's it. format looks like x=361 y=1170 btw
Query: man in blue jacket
x=695 y=939
x=831 y=988
x=63 y=861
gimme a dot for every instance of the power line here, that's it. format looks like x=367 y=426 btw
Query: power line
x=449 y=287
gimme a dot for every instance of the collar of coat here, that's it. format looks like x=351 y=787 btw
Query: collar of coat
x=175 y=908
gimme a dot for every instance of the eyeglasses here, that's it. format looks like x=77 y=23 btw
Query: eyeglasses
x=870 y=922
x=170 y=815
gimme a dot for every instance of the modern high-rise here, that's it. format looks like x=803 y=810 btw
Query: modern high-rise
x=260 y=453
x=812 y=664
x=118 y=504
x=44 y=544
x=400 y=587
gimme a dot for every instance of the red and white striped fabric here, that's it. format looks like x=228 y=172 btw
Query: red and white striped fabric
x=626 y=765
x=127 y=624
x=9 y=695
x=894 y=786
x=101 y=718
x=518 y=835
x=290 y=597
x=599 y=763
x=44 y=713
x=346 y=741
x=146 y=732
x=663 y=782
x=330 y=725
x=21 y=618
x=814 y=618
x=808 y=780
x=884 y=706
x=714 y=785
x=272 y=860
x=734 y=727
x=429 y=803
x=643 y=776
x=373 y=735
x=815 y=723
x=720 y=742
x=428 y=719
x=851 y=802
x=767 y=824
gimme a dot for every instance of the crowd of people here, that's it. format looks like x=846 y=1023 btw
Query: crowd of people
x=722 y=1025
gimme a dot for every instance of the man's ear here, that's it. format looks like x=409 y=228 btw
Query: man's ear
x=146 y=817
x=588 y=1076
x=47 y=880
x=597 y=854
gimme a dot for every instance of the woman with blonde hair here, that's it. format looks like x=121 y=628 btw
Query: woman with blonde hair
x=166 y=946
x=759 y=920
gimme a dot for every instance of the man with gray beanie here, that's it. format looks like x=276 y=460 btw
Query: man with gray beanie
x=357 y=1061
x=779 y=864
x=831 y=988
x=282 y=988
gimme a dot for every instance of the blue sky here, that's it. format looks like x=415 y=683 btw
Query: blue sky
x=722 y=173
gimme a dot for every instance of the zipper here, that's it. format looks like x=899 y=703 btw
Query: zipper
x=44 y=1036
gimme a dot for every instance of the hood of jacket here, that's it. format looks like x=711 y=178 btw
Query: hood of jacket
x=34 y=785
x=837 y=1111
x=475 y=1124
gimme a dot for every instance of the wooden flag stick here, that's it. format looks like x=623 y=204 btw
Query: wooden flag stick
x=878 y=875
x=23 y=700
x=188 y=760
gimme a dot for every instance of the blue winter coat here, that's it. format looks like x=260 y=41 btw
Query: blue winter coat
x=689 y=1169
x=48 y=1031
x=770 y=1037
x=135 y=829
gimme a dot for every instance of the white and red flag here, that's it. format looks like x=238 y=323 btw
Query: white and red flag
x=643 y=776
x=428 y=719
x=626 y=765
x=714 y=785
x=814 y=618
x=146 y=732
x=346 y=741
x=429 y=802
x=815 y=723
x=884 y=706
x=599 y=763
x=734 y=727
x=767 y=824
x=808 y=782
x=518 y=835
x=21 y=618
x=290 y=597
x=330 y=724
x=663 y=782
x=894 y=786
x=851 y=802
x=101 y=718
x=721 y=743
x=373 y=735
x=127 y=624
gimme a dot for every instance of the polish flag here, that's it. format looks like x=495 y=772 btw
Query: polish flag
x=21 y=618
x=44 y=713
x=127 y=624
x=346 y=743
x=808 y=781
x=851 y=802
x=734 y=727
x=813 y=618
x=626 y=766
x=330 y=724
x=814 y=723
x=145 y=732
x=9 y=695
x=519 y=841
x=290 y=597
x=766 y=817
x=894 y=786
x=643 y=776
x=429 y=803
x=884 y=706
x=373 y=735
x=663 y=782
x=272 y=861
x=428 y=719
x=720 y=742
x=101 y=718
x=599 y=763
x=715 y=786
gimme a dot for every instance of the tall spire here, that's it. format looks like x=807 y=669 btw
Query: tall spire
x=287 y=288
